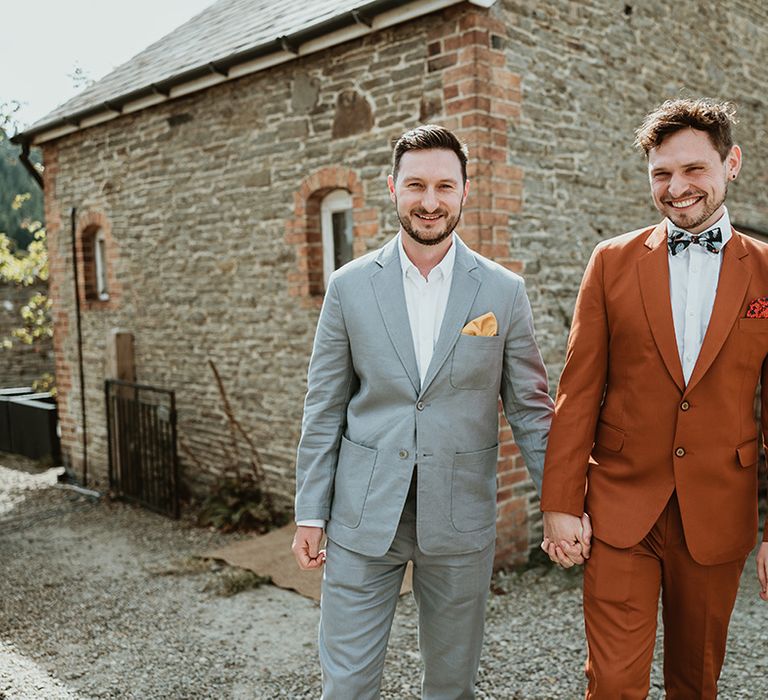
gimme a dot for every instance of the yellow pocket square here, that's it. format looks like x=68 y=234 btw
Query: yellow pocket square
x=482 y=325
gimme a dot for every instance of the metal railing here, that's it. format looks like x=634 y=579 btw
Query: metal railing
x=143 y=460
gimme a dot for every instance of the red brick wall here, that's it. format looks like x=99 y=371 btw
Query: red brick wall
x=61 y=293
x=480 y=96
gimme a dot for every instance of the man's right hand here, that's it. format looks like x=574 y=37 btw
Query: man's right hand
x=567 y=538
x=306 y=547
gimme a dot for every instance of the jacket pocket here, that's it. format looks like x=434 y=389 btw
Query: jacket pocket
x=473 y=490
x=354 y=471
x=747 y=453
x=476 y=362
x=753 y=325
x=609 y=437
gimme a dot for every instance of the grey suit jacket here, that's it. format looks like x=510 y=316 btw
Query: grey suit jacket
x=368 y=421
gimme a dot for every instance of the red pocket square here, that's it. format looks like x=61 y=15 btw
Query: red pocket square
x=758 y=308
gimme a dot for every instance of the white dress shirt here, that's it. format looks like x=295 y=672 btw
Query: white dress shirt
x=425 y=301
x=693 y=276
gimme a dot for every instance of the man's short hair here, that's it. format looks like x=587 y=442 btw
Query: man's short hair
x=704 y=114
x=426 y=137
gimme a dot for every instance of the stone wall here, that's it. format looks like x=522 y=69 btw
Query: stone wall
x=590 y=73
x=20 y=365
x=211 y=200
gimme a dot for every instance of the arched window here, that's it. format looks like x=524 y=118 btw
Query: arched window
x=96 y=255
x=330 y=226
x=336 y=227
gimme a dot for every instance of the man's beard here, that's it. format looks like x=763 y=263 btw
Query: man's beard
x=706 y=214
x=450 y=225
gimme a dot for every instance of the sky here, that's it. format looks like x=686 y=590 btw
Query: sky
x=44 y=42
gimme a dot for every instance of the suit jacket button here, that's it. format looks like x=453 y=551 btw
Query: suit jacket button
x=685 y=405
x=403 y=454
x=680 y=452
x=420 y=406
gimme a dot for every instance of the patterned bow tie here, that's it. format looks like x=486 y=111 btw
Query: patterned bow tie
x=711 y=240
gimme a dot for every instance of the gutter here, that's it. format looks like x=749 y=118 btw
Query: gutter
x=29 y=166
x=366 y=19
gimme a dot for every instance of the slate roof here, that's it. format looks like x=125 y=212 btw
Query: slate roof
x=227 y=32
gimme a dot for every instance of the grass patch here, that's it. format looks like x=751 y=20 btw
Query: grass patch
x=233 y=581
x=183 y=567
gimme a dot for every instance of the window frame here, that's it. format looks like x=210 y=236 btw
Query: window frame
x=100 y=265
x=337 y=200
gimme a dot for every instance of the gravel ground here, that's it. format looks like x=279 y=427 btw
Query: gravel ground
x=104 y=600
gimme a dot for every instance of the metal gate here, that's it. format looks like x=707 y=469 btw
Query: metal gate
x=143 y=463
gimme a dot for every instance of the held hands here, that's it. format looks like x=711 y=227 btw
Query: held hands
x=762 y=570
x=567 y=538
x=306 y=547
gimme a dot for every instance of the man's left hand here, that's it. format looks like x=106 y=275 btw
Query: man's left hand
x=567 y=539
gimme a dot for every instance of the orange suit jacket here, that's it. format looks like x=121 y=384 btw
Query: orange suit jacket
x=628 y=431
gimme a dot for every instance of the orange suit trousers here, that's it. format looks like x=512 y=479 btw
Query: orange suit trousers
x=621 y=597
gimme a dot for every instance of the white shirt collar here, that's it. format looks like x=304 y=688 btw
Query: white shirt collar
x=723 y=223
x=444 y=268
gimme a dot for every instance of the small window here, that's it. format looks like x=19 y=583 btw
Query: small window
x=336 y=225
x=100 y=260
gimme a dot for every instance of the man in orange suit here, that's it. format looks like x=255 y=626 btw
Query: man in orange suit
x=654 y=433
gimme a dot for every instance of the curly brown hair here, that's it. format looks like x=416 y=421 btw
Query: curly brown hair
x=704 y=114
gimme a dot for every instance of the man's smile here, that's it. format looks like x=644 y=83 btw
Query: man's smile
x=683 y=203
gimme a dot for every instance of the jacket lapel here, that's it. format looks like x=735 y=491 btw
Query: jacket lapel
x=653 y=270
x=464 y=287
x=387 y=281
x=731 y=291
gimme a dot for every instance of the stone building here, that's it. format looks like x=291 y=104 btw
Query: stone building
x=218 y=175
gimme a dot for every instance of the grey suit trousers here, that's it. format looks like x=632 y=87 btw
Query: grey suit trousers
x=359 y=596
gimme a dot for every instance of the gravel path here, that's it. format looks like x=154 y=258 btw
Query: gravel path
x=101 y=600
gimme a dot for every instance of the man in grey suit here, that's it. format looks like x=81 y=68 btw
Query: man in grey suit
x=397 y=457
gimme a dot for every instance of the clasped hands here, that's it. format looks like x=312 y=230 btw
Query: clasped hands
x=567 y=538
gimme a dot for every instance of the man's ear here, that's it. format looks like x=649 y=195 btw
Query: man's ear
x=733 y=162
x=466 y=192
x=391 y=186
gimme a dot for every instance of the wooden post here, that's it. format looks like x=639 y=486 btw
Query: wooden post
x=120 y=358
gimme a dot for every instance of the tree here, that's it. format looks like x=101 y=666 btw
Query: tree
x=14 y=179
x=26 y=266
